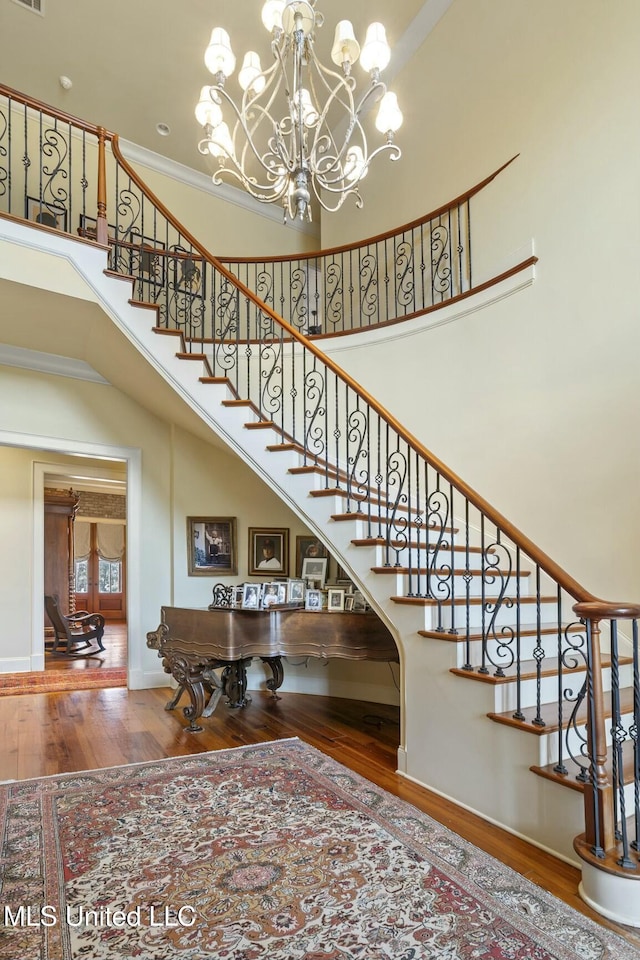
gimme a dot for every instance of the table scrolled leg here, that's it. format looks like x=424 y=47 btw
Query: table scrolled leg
x=193 y=684
x=277 y=674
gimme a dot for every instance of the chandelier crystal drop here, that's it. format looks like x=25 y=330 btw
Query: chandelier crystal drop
x=295 y=131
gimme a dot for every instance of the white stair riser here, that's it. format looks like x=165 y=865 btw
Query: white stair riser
x=440 y=582
x=480 y=618
x=506 y=693
x=502 y=651
x=549 y=748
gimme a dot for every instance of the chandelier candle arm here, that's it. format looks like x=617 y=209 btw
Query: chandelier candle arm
x=282 y=144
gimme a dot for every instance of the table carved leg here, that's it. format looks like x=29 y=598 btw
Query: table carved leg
x=193 y=682
x=277 y=674
x=234 y=681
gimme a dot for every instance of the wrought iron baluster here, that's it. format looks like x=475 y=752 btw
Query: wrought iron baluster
x=635 y=731
x=483 y=668
x=467 y=577
x=618 y=738
x=560 y=766
x=518 y=715
x=538 y=653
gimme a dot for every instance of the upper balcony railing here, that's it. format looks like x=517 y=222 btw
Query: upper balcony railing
x=388 y=278
x=462 y=558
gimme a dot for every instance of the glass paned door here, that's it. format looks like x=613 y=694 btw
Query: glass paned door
x=100 y=582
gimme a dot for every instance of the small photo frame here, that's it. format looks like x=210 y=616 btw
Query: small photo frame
x=251 y=596
x=308 y=546
x=295 y=591
x=335 y=600
x=348 y=602
x=271 y=594
x=313 y=600
x=238 y=592
x=211 y=546
x=268 y=551
x=359 y=602
x=46 y=214
x=315 y=569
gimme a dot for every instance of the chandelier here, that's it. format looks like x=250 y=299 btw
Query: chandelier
x=297 y=129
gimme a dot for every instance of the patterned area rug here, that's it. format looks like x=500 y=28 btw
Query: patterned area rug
x=272 y=851
x=50 y=681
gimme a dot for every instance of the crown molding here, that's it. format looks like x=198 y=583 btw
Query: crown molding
x=48 y=363
x=202 y=181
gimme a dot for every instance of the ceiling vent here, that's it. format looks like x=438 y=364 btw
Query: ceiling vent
x=36 y=6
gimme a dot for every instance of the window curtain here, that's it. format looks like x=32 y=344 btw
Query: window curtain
x=81 y=539
x=110 y=540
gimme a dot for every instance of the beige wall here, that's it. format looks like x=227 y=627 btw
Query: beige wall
x=533 y=401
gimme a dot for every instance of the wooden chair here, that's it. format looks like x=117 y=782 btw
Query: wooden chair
x=75 y=633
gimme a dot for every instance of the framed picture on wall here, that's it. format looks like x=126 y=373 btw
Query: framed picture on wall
x=308 y=547
x=211 y=546
x=268 y=551
x=47 y=214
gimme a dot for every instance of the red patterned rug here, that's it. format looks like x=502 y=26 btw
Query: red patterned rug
x=269 y=852
x=50 y=681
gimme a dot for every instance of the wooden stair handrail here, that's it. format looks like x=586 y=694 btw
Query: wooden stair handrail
x=54 y=112
x=554 y=570
x=370 y=241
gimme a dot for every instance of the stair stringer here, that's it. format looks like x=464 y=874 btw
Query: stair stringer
x=447 y=744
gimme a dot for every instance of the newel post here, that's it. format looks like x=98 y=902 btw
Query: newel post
x=102 y=230
x=598 y=792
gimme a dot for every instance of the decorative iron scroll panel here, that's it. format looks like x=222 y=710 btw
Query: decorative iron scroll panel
x=381 y=281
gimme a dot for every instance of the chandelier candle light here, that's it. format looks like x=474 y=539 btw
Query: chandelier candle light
x=298 y=127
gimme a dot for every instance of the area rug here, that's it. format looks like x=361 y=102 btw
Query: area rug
x=272 y=851
x=51 y=681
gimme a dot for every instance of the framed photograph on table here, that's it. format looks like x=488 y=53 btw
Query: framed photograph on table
x=268 y=551
x=335 y=600
x=308 y=546
x=315 y=569
x=46 y=214
x=251 y=596
x=295 y=591
x=211 y=546
x=313 y=600
x=270 y=594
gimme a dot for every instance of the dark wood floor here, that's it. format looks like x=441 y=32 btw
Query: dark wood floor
x=48 y=733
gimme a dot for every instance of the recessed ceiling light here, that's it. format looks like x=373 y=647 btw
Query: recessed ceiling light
x=163 y=129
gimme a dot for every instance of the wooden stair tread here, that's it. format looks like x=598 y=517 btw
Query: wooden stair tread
x=261 y=425
x=277 y=447
x=549 y=714
x=145 y=304
x=528 y=670
x=400 y=544
x=191 y=356
x=573 y=768
x=457 y=572
x=460 y=601
x=375 y=518
x=526 y=630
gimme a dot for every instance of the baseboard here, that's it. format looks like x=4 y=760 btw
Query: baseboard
x=18 y=665
x=147 y=680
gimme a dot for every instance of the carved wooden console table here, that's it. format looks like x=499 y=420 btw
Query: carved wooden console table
x=195 y=643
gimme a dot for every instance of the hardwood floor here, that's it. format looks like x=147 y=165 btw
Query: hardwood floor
x=48 y=733
x=113 y=655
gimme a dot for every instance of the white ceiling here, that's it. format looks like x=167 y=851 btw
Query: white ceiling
x=137 y=63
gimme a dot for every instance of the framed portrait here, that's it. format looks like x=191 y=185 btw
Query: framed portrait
x=47 y=214
x=349 y=601
x=295 y=591
x=89 y=228
x=315 y=569
x=251 y=596
x=308 y=546
x=335 y=600
x=313 y=600
x=211 y=546
x=268 y=551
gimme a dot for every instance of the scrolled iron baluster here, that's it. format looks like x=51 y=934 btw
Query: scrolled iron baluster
x=271 y=388
x=299 y=316
x=4 y=151
x=573 y=655
x=357 y=479
x=496 y=557
x=54 y=147
x=405 y=295
x=439 y=571
x=368 y=285
x=441 y=268
x=397 y=523
x=265 y=287
x=333 y=293
x=315 y=439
